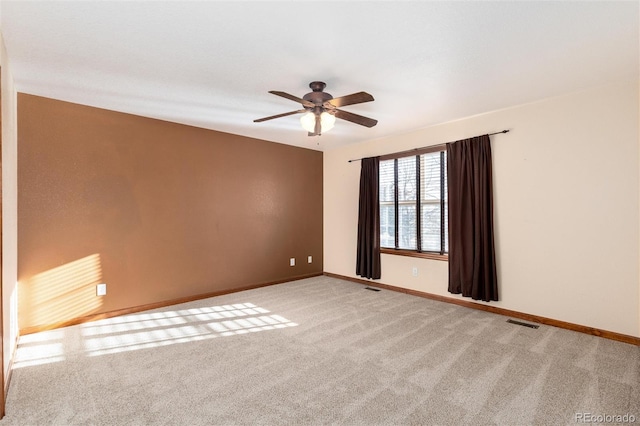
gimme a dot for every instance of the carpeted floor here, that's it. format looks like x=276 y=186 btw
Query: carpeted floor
x=319 y=351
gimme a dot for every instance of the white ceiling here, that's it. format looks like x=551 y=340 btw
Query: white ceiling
x=211 y=63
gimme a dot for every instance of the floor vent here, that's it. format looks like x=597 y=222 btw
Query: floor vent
x=372 y=289
x=524 y=324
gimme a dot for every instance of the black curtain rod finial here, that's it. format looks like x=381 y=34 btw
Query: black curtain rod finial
x=497 y=133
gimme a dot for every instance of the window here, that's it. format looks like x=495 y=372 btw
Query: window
x=413 y=204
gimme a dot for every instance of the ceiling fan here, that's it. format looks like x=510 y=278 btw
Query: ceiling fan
x=322 y=109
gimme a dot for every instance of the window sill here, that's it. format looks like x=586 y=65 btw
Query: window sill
x=410 y=253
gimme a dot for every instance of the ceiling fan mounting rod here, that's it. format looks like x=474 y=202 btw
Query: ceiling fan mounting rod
x=317 y=86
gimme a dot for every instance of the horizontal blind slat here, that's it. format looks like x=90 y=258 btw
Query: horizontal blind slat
x=430 y=203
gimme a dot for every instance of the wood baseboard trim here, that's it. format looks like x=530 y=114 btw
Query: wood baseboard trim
x=500 y=311
x=156 y=305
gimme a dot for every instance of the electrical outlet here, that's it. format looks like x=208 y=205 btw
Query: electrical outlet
x=292 y=261
x=101 y=289
x=309 y=259
x=415 y=271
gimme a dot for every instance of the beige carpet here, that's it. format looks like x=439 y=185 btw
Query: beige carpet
x=318 y=351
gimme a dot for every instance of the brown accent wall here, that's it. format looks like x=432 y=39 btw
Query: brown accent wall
x=156 y=210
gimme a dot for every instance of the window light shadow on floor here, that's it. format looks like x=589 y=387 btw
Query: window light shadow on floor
x=40 y=348
x=150 y=330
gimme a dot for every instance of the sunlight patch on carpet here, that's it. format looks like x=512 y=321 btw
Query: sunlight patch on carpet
x=40 y=348
x=151 y=330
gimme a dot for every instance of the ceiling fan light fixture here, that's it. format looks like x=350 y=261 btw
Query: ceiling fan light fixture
x=308 y=122
x=327 y=121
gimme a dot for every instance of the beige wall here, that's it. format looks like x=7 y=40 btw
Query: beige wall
x=566 y=207
x=156 y=210
x=9 y=210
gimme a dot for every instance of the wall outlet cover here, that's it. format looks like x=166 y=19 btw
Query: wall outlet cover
x=101 y=289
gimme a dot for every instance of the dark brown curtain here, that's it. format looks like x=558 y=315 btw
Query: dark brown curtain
x=368 y=257
x=472 y=263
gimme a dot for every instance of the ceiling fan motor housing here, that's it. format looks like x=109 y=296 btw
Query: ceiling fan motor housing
x=318 y=97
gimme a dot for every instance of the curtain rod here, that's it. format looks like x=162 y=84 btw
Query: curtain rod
x=415 y=149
